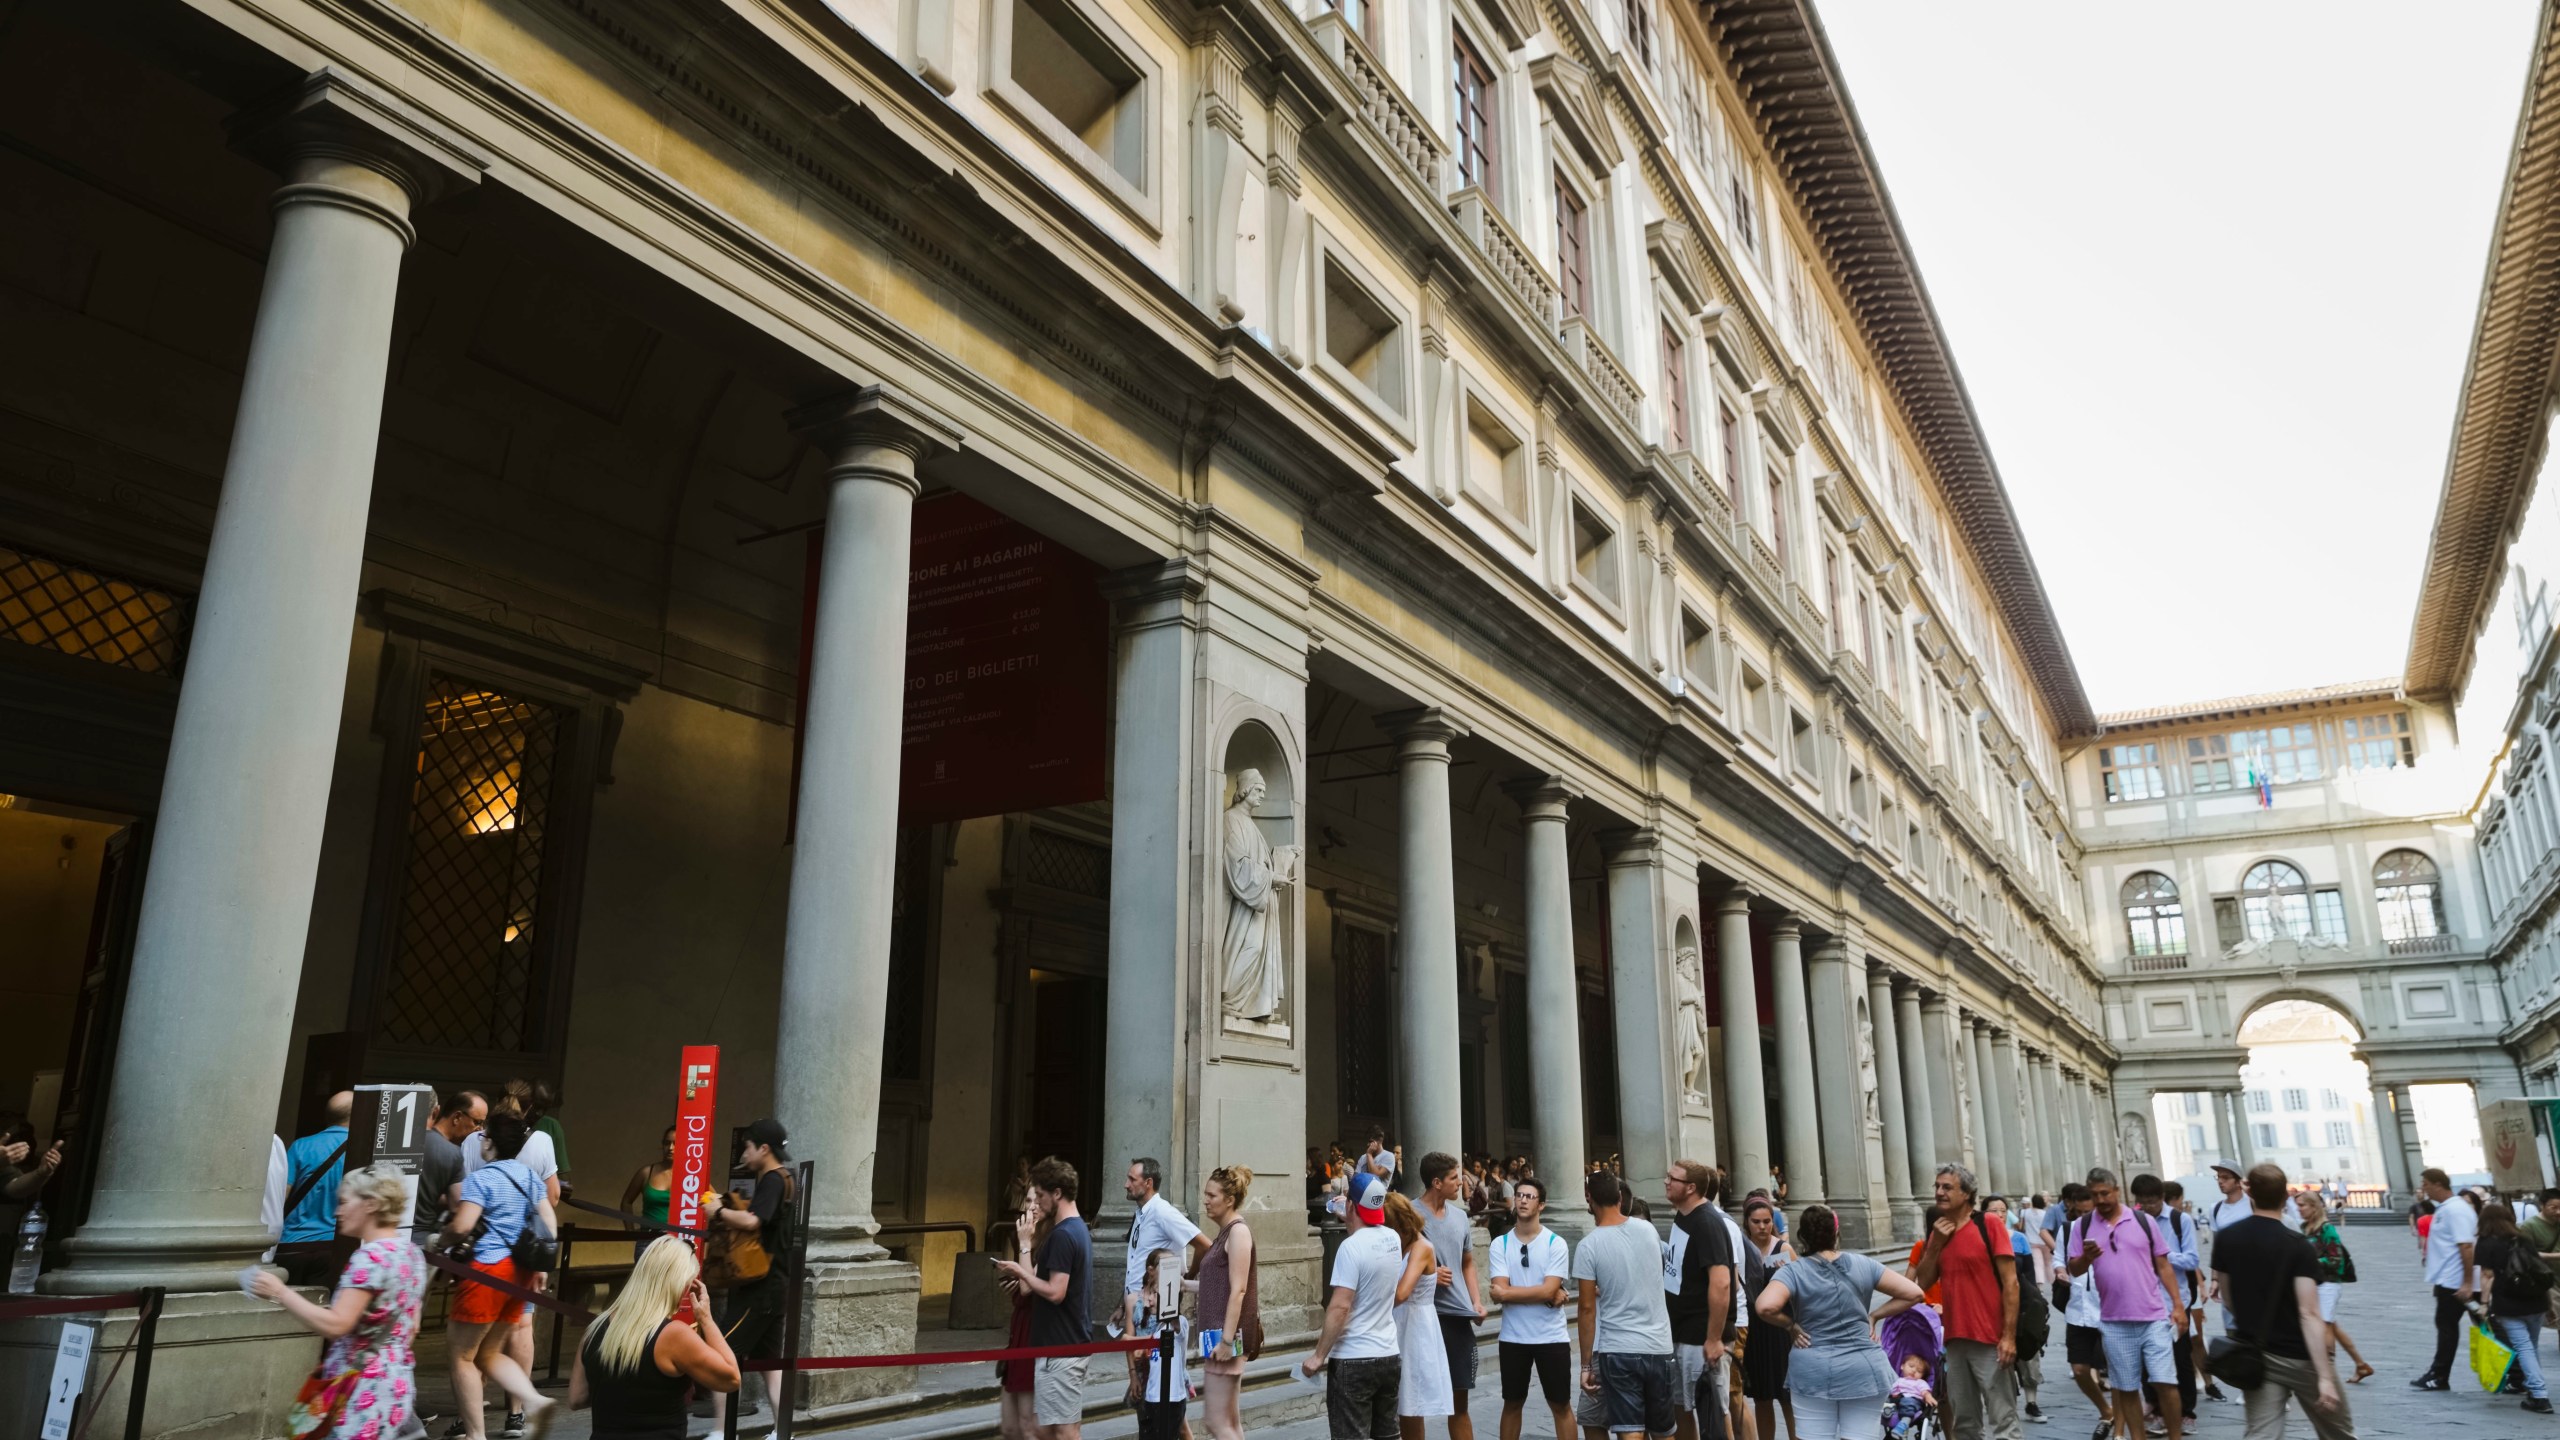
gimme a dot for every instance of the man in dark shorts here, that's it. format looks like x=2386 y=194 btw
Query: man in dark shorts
x=1358 y=1350
x=1698 y=1283
x=1627 y=1358
x=1529 y=1264
x=751 y=1314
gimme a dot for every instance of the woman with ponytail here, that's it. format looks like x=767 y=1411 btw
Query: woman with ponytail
x=1229 y=1305
x=638 y=1359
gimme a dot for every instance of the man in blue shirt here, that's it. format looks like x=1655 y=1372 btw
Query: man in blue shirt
x=315 y=1215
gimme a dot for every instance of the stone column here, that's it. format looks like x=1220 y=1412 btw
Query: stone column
x=1891 y=1107
x=1920 y=1093
x=1426 y=937
x=2413 y=1157
x=1939 y=1028
x=1555 y=1030
x=835 y=948
x=2246 y=1130
x=1800 y=1128
x=2083 y=1142
x=835 y=945
x=2395 y=1156
x=1746 y=1102
x=1154 y=663
x=1642 y=1001
x=1834 y=987
x=1995 y=1146
x=226 y=909
x=2044 y=1088
x=2013 y=1124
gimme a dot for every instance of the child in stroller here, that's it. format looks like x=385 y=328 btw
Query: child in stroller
x=1910 y=1407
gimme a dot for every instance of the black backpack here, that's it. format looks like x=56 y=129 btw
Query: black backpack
x=2035 y=1317
x=2524 y=1274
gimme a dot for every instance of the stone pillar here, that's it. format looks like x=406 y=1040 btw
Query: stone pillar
x=225 y=917
x=1835 y=989
x=1555 y=1030
x=2083 y=1142
x=835 y=946
x=2396 y=1173
x=1800 y=1128
x=1920 y=1096
x=2013 y=1124
x=2044 y=1089
x=1990 y=1165
x=1892 y=1108
x=1640 y=926
x=2246 y=1130
x=1746 y=1103
x=1155 y=658
x=1426 y=937
x=2413 y=1156
x=226 y=910
x=1939 y=1028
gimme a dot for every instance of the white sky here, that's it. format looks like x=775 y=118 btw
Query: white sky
x=2209 y=272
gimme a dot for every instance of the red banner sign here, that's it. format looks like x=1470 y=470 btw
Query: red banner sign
x=1008 y=660
x=697 y=1089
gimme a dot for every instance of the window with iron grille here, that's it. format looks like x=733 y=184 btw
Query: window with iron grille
x=466 y=969
x=55 y=605
x=1573 y=247
x=1477 y=144
x=1364 y=1021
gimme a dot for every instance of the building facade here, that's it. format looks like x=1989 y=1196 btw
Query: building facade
x=1537 y=654
x=2312 y=846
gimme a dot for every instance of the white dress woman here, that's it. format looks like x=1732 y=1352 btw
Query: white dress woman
x=1425 y=1388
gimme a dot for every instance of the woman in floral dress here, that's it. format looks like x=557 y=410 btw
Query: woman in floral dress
x=365 y=1387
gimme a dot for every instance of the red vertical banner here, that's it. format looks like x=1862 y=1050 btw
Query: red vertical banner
x=697 y=1090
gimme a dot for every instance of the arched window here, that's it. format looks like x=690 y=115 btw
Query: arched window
x=2154 y=922
x=2406 y=890
x=2275 y=900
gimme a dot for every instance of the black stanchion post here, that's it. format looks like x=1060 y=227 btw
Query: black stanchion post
x=786 y=1393
x=146 y=1329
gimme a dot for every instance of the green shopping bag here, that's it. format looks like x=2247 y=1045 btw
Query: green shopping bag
x=2490 y=1358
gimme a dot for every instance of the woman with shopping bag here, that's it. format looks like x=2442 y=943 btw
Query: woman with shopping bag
x=2518 y=1286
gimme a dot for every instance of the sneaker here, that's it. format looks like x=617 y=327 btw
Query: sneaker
x=2214 y=1394
x=2428 y=1382
x=456 y=1431
x=2105 y=1429
x=2036 y=1413
x=2538 y=1407
x=514 y=1429
x=2155 y=1426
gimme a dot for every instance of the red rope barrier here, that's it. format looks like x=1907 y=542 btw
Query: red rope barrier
x=946 y=1357
x=465 y=1273
x=29 y=1309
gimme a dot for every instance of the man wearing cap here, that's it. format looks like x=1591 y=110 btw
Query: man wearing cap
x=751 y=1313
x=1359 y=1340
x=2230 y=1210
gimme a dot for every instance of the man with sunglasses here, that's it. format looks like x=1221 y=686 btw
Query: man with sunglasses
x=2129 y=1257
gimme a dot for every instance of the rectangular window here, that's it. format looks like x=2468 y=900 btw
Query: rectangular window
x=1800 y=734
x=2131 y=772
x=1573 y=247
x=2195 y=1138
x=1746 y=223
x=1831 y=595
x=2341 y=1134
x=2237 y=760
x=1640 y=31
x=2295 y=1099
x=1893 y=654
x=1866 y=632
x=2259 y=1103
x=2302 y=1134
x=1363 y=337
x=2194 y=1103
x=56 y=606
x=1729 y=452
x=1082 y=80
x=1497 y=461
x=1477 y=145
x=2377 y=742
x=1362 y=15
x=2332 y=1100
x=2266 y=1136
x=1697 y=650
x=1675 y=389
x=2329 y=916
x=1595 y=552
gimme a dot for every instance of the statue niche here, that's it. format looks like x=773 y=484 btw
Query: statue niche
x=1254 y=957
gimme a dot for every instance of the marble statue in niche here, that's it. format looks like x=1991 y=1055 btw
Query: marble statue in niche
x=1867 y=1070
x=2136 y=1139
x=1254 y=966
x=1690 y=1026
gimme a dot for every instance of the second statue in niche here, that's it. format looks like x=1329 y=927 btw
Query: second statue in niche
x=1254 y=957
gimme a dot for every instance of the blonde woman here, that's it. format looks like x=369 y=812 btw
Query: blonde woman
x=638 y=1359
x=366 y=1380
x=1229 y=1298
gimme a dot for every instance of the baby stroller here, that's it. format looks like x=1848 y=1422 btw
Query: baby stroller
x=1916 y=1332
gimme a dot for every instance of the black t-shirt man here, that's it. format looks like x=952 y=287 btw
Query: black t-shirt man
x=1698 y=1248
x=1068 y=1250
x=771 y=1205
x=2258 y=1260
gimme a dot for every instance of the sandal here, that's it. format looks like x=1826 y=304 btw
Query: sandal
x=2362 y=1370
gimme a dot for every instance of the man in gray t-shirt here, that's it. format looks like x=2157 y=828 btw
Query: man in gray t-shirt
x=456 y=1120
x=1625 y=1328
x=1460 y=1299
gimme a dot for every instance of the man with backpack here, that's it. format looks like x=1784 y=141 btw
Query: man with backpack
x=1977 y=1280
x=2129 y=1256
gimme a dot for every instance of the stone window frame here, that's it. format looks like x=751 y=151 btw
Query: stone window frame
x=1607 y=594
x=1330 y=256
x=1141 y=199
x=1474 y=394
x=2160 y=904
x=1708 y=683
x=2409 y=902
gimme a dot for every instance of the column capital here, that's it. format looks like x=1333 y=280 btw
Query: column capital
x=1422 y=733
x=1788 y=926
x=876 y=418
x=1629 y=845
x=328 y=121
x=1734 y=901
x=1838 y=949
x=1542 y=797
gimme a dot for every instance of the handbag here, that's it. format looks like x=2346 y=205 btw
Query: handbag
x=536 y=1250
x=738 y=1257
x=2490 y=1358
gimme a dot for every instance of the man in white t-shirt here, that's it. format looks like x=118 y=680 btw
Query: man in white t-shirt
x=1529 y=1264
x=2449 y=1266
x=1359 y=1339
x=1157 y=1225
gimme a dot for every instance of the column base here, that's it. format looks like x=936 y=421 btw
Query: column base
x=861 y=1307
x=223 y=1367
x=1859 y=1229
x=1909 y=1216
x=1290 y=1259
x=111 y=1259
